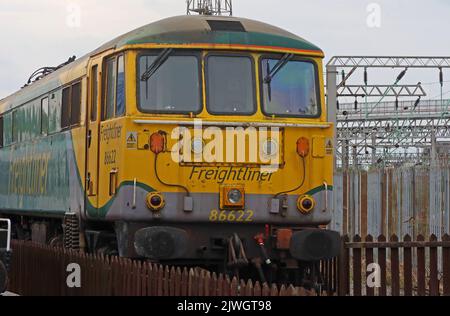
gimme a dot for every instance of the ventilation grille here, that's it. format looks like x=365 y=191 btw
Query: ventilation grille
x=227 y=26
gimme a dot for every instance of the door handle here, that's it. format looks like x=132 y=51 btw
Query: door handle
x=89 y=137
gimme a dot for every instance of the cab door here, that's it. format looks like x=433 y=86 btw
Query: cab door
x=92 y=139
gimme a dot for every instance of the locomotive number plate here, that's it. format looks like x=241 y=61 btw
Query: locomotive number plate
x=239 y=216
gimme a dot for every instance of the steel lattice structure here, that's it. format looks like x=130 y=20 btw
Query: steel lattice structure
x=389 y=62
x=375 y=131
x=392 y=134
x=381 y=90
x=209 y=7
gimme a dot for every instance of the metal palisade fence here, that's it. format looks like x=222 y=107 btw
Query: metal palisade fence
x=413 y=200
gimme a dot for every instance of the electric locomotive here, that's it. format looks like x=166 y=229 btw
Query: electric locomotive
x=198 y=140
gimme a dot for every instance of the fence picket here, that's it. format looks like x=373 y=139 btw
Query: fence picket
x=407 y=267
x=344 y=271
x=226 y=286
x=274 y=290
x=265 y=290
x=184 y=282
x=370 y=291
x=234 y=291
x=434 y=282
x=357 y=268
x=421 y=267
x=214 y=285
x=383 y=266
x=207 y=284
x=395 y=267
x=257 y=289
x=178 y=285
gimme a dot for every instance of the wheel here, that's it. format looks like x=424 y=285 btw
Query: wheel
x=3 y=277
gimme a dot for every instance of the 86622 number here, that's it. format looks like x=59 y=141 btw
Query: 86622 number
x=231 y=216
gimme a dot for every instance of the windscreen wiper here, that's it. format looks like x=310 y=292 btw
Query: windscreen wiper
x=280 y=64
x=271 y=73
x=159 y=61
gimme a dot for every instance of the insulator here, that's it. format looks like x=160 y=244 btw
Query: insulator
x=416 y=103
x=337 y=104
x=402 y=74
x=365 y=76
x=356 y=104
x=441 y=77
x=343 y=77
x=396 y=104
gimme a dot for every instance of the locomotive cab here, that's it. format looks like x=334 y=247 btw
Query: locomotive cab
x=214 y=144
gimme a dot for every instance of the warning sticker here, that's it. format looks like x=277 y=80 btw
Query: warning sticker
x=329 y=146
x=131 y=140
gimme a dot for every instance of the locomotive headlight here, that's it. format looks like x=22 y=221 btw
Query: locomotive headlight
x=270 y=147
x=234 y=196
x=197 y=146
x=306 y=204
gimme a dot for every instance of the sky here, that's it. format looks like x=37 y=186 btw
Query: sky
x=36 y=33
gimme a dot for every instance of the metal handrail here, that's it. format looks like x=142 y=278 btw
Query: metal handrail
x=8 y=237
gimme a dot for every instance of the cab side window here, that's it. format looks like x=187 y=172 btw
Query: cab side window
x=120 y=87
x=75 y=105
x=94 y=93
x=65 y=108
x=110 y=88
x=71 y=106
x=115 y=88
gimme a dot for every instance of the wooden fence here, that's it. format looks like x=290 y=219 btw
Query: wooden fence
x=406 y=268
x=420 y=267
x=40 y=270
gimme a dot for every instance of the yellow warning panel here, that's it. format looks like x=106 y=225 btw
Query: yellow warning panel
x=131 y=140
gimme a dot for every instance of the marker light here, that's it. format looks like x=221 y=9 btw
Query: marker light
x=306 y=204
x=197 y=146
x=155 y=201
x=270 y=147
x=303 y=147
x=157 y=143
x=234 y=196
